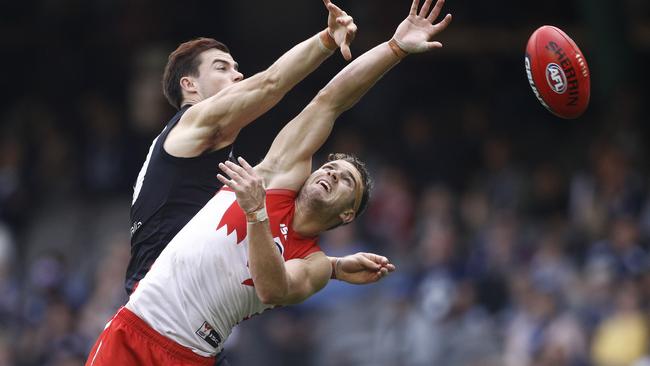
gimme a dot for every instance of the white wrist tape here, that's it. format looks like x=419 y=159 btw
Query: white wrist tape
x=257 y=216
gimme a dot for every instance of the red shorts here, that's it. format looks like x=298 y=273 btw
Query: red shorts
x=129 y=341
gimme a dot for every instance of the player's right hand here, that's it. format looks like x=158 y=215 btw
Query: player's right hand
x=341 y=27
x=413 y=35
x=363 y=268
x=246 y=183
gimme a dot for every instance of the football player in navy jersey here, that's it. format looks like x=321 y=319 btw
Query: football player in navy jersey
x=215 y=102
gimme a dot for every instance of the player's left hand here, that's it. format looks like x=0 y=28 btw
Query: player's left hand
x=363 y=268
x=341 y=27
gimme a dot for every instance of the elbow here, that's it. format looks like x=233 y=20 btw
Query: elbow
x=275 y=297
x=325 y=97
x=269 y=301
x=326 y=100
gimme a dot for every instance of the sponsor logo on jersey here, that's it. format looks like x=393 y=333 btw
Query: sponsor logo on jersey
x=208 y=334
x=284 y=230
x=135 y=227
x=278 y=243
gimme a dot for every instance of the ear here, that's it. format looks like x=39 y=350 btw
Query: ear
x=347 y=216
x=188 y=84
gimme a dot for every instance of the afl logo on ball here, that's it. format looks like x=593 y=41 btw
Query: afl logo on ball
x=556 y=78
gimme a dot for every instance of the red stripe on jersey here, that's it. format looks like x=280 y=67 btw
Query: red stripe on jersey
x=234 y=220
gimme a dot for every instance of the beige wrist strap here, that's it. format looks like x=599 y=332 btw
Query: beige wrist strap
x=327 y=43
x=397 y=50
x=334 y=265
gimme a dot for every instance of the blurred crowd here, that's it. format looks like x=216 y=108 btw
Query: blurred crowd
x=503 y=259
x=519 y=239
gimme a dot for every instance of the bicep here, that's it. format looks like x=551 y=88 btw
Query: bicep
x=307 y=276
x=299 y=139
x=230 y=110
x=288 y=162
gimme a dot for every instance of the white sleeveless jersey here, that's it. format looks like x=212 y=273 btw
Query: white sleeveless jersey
x=200 y=287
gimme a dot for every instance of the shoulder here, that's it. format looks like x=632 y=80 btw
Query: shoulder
x=279 y=176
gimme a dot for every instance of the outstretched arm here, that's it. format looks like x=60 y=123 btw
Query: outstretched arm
x=288 y=161
x=215 y=122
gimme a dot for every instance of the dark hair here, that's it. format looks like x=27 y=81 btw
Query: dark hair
x=182 y=62
x=366 y=180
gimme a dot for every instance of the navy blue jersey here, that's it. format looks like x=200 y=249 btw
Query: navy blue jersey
x=168 y=192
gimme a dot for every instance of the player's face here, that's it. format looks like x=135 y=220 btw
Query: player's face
x=217 y=71
x=337 y=184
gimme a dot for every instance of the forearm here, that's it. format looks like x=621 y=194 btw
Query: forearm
x=351 y=83
x=266 y=264
x=305 y=134
x=230 y=110
x=299 y=62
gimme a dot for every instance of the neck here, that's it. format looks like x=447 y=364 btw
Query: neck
x=191 y=100
x=306 y=221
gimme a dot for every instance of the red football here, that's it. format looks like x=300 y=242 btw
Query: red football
x=557 y=72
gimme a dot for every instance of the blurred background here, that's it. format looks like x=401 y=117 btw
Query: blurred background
x=520 y=238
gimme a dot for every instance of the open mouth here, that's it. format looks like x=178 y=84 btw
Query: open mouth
x=325 y=185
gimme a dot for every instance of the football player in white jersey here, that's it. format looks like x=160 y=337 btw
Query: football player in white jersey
x=253 y=246
x=333 y=194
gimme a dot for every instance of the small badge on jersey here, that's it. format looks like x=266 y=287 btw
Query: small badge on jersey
x=209 y=334
x=135 y=227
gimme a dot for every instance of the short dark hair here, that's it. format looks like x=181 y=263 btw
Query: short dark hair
x=366 y=180
x=185 y=61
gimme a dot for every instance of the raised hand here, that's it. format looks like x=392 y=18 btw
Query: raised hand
x=414 y=34
x=341 y=27
x=362 y=268
x=247 y=185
